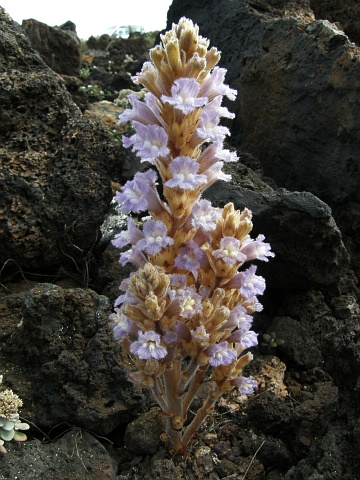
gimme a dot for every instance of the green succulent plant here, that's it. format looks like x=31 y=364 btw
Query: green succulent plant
x=271 y=340
x=10 y=423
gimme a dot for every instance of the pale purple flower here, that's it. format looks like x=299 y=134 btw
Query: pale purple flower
x=229 y=251
x=184 y=95
x=134 y=256
x=257 y=249
x=140 y=111
x=177 y=285
x=152 y=102
x=252 y=304
x=246 y=385
x=224 y=154
x=221 y=354
x=247 y=338
x=126 y=297
x=239 y=318
x=209 y=128
x=213 y=85
x=204 y=215
x=148 y=346
x=132 y=197
x=121 y=324
x=215 y=104
x=155 y=237
x=190 y=258
x=213 y=174
x=178 y=281
x=149 y=141
x=131 y=235
x=191 y=303
x=213 y=153
x=179 y=331
x=249 y=284
x=184 y=174
x=140 y=194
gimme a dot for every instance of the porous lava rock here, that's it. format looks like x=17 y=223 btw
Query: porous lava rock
x=345 y=13
x=58 y=350
x=56 y=166
x=59 y=47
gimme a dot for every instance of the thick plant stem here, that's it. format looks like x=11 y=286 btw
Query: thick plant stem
x=188 y=375
x=174 y=402
x=200 y=416
x=158 y=395
x=194 y=385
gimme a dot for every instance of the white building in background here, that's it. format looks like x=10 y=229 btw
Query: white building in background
x=124 y=31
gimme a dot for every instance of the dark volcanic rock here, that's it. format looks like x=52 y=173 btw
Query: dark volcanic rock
x=297 y=106
x=346 y=13
x=59 y=47
x=55 y=179
x=298 y=344
x=142 y=435
x=63 y=360
x=76 y=455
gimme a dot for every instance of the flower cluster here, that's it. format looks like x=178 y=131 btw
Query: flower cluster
x=185 y=315
x=10 y=423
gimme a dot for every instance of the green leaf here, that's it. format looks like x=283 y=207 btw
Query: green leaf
x=20 y=437
x=7 y=425
x=7 y=435
x=22 y=426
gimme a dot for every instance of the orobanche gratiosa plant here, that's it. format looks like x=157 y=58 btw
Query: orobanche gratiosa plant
x=185 y=316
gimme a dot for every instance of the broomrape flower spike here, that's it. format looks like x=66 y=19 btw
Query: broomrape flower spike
x=185 y=316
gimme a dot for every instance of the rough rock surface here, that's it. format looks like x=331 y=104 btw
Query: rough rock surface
x=77 y=455
x=58 y=349
x=142 y=435
x=56 y=167
x=59 y=47
x=297 y=106
x=346 y=13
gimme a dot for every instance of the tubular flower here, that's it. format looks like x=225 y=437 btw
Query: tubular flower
x=257 y=249
x=184 y=95
x=140 y=111
x=221 y=354
x=184 y=174
x=185 y=315
x=120 y=324
x=229 y=251
x=148 y=346
x=149 y=142
x=191 y=257
x=204 y=215
x=155 y=237
x=245 y=385
x=131 y=235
